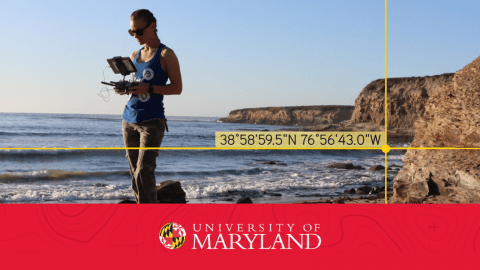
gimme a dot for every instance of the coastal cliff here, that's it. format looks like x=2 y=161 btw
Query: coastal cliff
x=451 y=119
x=406 y=99
x=291 y=116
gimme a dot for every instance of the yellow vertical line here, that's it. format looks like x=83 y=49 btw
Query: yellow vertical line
x=386 y=166
x=386 y=114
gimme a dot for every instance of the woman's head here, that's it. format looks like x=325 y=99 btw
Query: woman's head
x=143 y=25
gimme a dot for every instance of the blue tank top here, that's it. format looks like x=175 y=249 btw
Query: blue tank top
x=140 y=108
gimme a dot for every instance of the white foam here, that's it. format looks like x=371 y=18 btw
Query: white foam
x=28 y=175
x=64 y=193
x=304 y=180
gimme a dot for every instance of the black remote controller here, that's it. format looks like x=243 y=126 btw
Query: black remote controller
x=122 y=86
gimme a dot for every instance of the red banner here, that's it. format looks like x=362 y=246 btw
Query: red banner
x=231 y=232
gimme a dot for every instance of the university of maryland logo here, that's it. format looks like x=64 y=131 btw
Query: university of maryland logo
x=172 y=235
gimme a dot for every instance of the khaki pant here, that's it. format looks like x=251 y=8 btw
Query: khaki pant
x=143 y=162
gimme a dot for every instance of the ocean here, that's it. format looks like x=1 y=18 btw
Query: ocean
x=207 y=176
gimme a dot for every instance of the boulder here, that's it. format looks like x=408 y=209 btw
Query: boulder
x=342 y=166
x=170 y=192
x=345 y=166
x=362 y=190
x=128 y=201
x=377 y=168
x=244 y=200
x=451 y=119
x=339 y=200
x=269 y=162
x=274 y=163
x=375 y=190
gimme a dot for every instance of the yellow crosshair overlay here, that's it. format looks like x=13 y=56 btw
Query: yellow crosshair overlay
x=385 y=148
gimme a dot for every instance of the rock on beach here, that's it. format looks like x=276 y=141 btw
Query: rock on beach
x=345 y=166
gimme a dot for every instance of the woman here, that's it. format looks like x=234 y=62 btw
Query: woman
x=144 y=120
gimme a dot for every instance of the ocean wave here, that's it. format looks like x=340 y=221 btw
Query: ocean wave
x=119 y=118
x=189 y=136
x=246 y=171
x=32 y=154
x=99 y=117
x=68 y=175
x=192 y=119
x=55 y=175
x=115 y=119
x=62 y=194
x=62 y=134
x=287 y=156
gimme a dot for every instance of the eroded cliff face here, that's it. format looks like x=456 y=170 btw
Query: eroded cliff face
x=451 y=119
x=291 y=116
x=406 y=100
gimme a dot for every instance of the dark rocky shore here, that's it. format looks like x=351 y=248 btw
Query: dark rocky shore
x=172 y=192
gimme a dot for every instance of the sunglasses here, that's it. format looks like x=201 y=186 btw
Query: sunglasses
x=139 y=32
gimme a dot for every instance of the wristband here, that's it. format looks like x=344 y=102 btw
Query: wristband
x=150 y=89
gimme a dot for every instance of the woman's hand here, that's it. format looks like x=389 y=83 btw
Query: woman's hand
x=140 y=89
x=120 y=90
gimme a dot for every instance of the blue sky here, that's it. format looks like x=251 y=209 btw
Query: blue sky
x=431 y=37
x=233 y=54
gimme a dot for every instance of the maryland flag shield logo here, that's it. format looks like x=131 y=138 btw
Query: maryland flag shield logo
x=172 y=235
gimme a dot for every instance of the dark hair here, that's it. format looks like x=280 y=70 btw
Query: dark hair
x=144 y=15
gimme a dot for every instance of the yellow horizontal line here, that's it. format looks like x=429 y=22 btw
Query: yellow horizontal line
x=189 y=148
x=308 y=148
x=242 y=148
x=432 y=148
